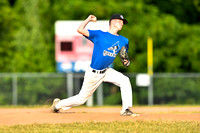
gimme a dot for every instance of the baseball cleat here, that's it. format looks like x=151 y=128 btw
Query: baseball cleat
x=128 y=112
x=53 y=107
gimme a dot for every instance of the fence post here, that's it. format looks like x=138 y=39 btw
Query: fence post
x=90 y=101
x=100 y=95
x=69 y=84
x=150 y=91
x=14 y=90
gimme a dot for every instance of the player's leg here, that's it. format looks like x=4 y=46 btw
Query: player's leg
x=90 y=84
x=123 y=82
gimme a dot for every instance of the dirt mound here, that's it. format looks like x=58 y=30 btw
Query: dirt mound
x=13 y=116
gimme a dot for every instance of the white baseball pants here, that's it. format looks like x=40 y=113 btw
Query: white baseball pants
x=92 y=81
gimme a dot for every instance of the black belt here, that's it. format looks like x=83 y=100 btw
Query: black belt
x=99 y=71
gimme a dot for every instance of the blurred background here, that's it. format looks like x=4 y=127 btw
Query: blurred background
x=28 y=73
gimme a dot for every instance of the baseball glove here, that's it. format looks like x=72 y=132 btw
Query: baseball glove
x=124 y=57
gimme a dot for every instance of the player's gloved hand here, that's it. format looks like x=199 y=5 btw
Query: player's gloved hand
x=124 y=57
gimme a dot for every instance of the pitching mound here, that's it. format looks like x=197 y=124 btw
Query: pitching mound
x=13 y=116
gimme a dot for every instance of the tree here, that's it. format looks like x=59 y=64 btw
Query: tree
x=185 y=11
x=32 y=41
x=7 y=32
x=30 y=33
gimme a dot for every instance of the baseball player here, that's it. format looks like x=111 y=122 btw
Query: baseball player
x=106 y=47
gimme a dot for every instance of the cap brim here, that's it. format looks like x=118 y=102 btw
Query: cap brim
x=125 y=21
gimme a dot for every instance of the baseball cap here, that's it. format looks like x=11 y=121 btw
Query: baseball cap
x=118 y=16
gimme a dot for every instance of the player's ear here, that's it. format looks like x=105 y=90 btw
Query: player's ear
x=110 y=22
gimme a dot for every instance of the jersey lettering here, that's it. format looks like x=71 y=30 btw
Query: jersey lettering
x=109 y=54
x=115 y=48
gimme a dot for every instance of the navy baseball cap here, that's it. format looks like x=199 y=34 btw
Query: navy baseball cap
x=118 y=16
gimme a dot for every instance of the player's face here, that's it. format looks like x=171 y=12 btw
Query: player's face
x=118 y=24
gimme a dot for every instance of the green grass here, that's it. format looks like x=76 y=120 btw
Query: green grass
x=105 y=127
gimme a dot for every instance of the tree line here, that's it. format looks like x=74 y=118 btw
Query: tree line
x=27 y=32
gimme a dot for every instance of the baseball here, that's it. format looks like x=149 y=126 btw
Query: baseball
x=94 y=19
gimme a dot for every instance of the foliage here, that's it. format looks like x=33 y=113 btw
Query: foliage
x=27 y=36
x=5 y=91
x=185 y=11
x=8 y=28
x=176 y=90
x=42 y=90
x=32 y=50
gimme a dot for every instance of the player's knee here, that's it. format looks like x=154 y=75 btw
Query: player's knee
x=125 y=79
x=82 y=100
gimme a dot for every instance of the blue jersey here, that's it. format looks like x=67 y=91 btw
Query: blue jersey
x=106 y=48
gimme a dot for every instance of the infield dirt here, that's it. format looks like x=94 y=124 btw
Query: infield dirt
x=13 y=116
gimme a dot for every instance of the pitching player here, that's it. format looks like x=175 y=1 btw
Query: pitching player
x=106 y=47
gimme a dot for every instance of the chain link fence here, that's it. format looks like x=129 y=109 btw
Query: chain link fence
x=42 y=88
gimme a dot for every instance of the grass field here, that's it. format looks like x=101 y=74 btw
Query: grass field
x=164 y=119
x=108 y=127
